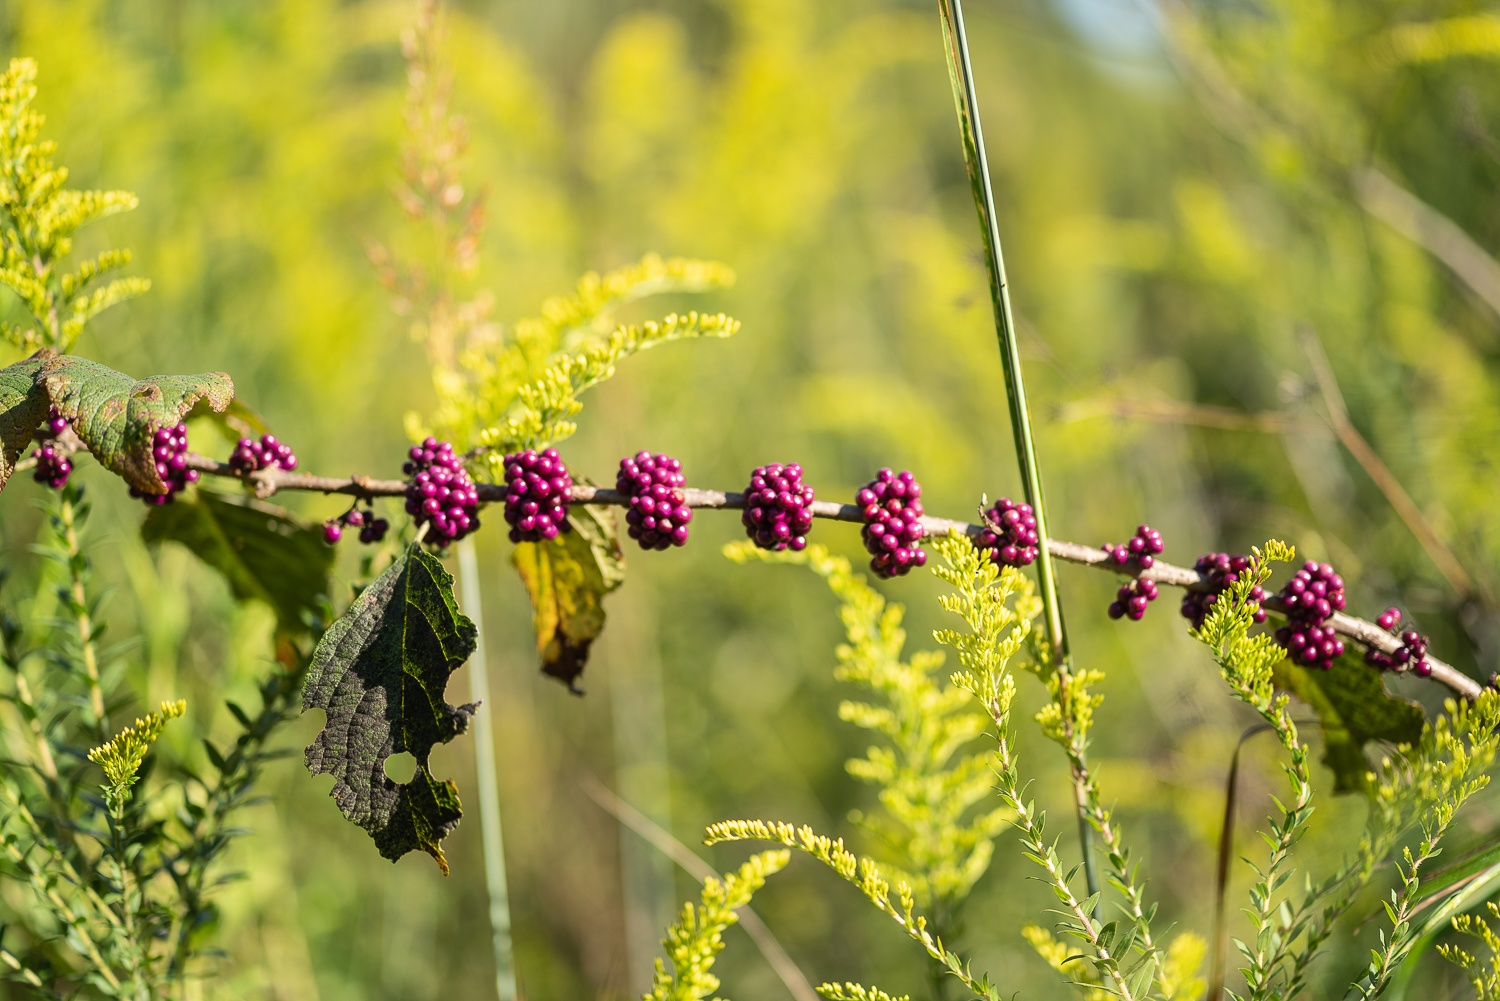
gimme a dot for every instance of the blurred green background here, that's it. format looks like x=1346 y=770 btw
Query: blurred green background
x=1176 y=203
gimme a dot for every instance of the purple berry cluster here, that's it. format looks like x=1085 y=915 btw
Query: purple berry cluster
x=169 y=448
x=251 y=455
x=1219 y=570
x=371 y=528
x=1009 y=534
x=778 y=508
x=1139 y=553
x=1131 y=600
x=1312 y=596
x=51 y=468
x=892 y=509
x=658 y=516
x=538 y=486
x=439 y=493
x=1411 y=655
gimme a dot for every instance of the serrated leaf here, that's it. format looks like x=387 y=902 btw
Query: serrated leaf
x=116 y=415
x=264 y=552
x=23 y=407
x=380 y=672
x=1351 y=700
x=567 y=579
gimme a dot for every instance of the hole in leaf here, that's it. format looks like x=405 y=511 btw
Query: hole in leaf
x=400 y=767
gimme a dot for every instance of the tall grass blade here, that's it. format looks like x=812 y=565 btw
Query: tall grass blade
x=489 y=789
x=960 y=75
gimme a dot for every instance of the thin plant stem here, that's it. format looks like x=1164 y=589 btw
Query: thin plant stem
x=960 y=74
x=85 y=624
x=796 y=983
x=489 y=788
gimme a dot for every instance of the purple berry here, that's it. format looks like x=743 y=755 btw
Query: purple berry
x=332 y=532
x=1312 y=596
x=1139 y=553
x=892 y=511
x=1132 y=598
x=1009 y=534
x=778 y=507
x=51 y=468
x=658 y=514
x=537 y=490
x=169 y=447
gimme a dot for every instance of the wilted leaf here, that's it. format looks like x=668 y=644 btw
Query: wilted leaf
x=23 y=407
x=262 y=551
x=1354 y=707
x=380 y=672
x=567 y=579
x=115 y=415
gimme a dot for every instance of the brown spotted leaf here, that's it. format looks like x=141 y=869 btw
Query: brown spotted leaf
x=116 y=415
x=23 y=407
x=567 y=579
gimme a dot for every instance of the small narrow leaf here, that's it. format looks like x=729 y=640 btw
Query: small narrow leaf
x=567 y=579
x=380 y=672
x=263 y=551
x=116 y=415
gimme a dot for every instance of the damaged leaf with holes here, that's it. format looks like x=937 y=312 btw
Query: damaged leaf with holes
x=380 y=672
x=567 y=578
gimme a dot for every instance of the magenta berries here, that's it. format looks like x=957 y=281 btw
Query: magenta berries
x=56 y=423
x=169 y=450
x=1009 y=534
x=1131 y=600
x=51 y=468
x=1219 y=570
x=538 y=486
x=892 y=510
x=658 y=515
x=371 y=528
x=1311 y=597
x=778 y=507
x=1411 y=655
x=251 y=455
x=1137 y=554
x=439 y=495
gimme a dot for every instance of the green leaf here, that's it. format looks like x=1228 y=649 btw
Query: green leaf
x=567 y=579
x=23 y=407
x=263 y=552
x=380 y=672
x=1351 y=701
x=116 y=415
